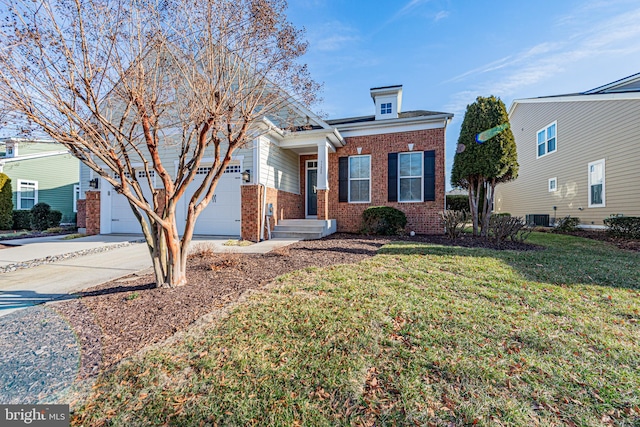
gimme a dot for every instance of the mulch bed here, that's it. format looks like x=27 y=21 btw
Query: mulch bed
x=602 y=235
x=116 y=319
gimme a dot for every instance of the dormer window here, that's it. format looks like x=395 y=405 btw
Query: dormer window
x=11 y=151
x=388 y=101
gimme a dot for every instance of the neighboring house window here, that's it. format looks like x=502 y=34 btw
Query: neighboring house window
x=385 y=108
x=596 y=184
x=360 y=179
x=410 y=177
x=9 y=151
x=27 y=194
x=76 y=197
x=553 y=184
x=547 y=140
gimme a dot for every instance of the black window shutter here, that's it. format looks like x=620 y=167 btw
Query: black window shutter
x=343 y=179
x=392 y=186
x=429 y=176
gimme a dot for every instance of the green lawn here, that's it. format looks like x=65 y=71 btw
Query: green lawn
x=418 y=335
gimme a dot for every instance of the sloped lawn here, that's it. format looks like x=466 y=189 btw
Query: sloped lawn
x=420 y=334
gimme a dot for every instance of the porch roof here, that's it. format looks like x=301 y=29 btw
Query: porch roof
x=308 y=141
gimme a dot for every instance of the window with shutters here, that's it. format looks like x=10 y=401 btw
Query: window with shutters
x=360 y=179
x=410 y=187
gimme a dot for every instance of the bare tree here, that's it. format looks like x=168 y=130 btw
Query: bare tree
x=153 y=82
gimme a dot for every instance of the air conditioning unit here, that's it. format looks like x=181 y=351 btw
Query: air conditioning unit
x=539 y=220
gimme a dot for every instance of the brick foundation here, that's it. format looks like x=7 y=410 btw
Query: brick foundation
x=92 y=212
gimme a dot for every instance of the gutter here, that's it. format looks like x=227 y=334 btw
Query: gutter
x=376 y=124
x=4 y=161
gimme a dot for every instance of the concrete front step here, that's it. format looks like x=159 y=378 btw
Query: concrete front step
x=306 y=229
x=296 y=235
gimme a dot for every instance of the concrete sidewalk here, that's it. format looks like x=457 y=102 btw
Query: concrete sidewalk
x=23 y=250
x=43 y=283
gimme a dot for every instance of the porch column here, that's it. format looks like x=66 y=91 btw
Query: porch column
x=323 y=180
x=323 y=165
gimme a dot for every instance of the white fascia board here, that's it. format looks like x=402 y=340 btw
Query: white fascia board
x=408 y=124
x=576 y=98
x=34 y=156
x=311 y=138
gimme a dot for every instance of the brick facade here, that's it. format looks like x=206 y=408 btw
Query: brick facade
x=251 y=201
x=92 y=212
x=285 y=206
x=81 y=213
x=423 y=218
x=323 y=204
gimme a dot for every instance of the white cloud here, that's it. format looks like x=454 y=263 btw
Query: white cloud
x=441 y=15
x=339 y=36
x=334 y=42
x=619 y=35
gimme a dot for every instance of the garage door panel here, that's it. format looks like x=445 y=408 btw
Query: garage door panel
x=222 y=215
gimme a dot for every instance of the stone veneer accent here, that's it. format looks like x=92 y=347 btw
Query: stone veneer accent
x=92 y=212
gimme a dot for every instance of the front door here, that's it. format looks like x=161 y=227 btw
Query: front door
x=312 y=183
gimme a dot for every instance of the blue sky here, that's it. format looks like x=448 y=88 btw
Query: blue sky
x=447 y=52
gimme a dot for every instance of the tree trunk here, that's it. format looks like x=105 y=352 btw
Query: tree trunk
x=474 y=195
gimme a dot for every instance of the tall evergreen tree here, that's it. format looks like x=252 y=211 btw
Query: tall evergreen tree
x=484 y=159
x=6 y=203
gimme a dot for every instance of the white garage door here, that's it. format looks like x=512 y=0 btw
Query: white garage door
x=222 y=215
x=122 y=218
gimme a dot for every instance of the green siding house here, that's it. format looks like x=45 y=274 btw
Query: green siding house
x=41 y=171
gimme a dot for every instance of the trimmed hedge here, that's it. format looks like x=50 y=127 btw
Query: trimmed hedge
x=42 y=217
x=383 y=220
x=623 y=226
x=458 y=203
x=6 y=203
x=21 y=220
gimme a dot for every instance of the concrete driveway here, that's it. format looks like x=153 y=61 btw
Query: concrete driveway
x=57 y=280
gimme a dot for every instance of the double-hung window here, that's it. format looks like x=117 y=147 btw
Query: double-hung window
x=360 y=179
x=410 y=176
x=596 y=184
x=27 y=194
x=547 y=140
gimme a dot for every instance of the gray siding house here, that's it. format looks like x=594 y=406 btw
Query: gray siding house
x=579 y=155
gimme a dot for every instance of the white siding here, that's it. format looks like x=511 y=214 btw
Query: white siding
x=279 y=168
x=587 y=131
